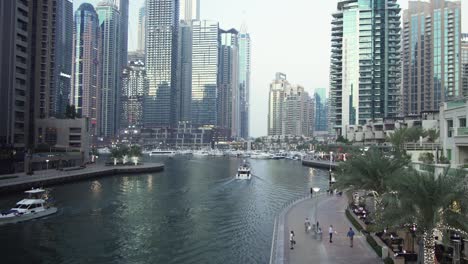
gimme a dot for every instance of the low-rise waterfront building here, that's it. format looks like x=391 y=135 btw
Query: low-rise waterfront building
x=454 y=131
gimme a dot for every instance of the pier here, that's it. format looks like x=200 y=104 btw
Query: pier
x=21 y=181
x=320 y=164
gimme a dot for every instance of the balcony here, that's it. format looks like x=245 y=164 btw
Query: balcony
x=461 y=138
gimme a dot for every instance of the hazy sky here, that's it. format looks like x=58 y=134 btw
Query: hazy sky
x=291 y=36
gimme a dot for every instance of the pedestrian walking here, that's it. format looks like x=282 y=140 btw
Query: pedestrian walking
x=292 y=241
x=307 y=225
x=351 y=236
x=311 y=192
x=330 y=232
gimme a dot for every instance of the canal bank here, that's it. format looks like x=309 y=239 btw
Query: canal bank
x=44 y=178
x=320 y=164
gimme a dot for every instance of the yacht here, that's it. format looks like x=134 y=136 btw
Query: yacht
x=158 y=152
x=261 y=155
x=27 y=209
x=279 y=156
x=244 y=172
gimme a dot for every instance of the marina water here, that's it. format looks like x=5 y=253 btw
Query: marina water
x=193 y=212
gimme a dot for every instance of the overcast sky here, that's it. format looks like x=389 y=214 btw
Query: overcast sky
x=291 y=36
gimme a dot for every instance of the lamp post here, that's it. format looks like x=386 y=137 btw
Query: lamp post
x=47 y=164
x=316 y=190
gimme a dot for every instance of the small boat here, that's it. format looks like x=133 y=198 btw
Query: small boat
x=244 y=172
x=279 y=156
x=27 y=209
x=158 y=152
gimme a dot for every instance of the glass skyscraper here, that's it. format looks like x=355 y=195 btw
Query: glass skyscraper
x=465 y=63
x=109 y=68
x=365 y=62
x=205 y=51
x=84 y=92
x=244 y=80
x=162 y=29
x=228 y=83
x=141 y=29
x=431 y=55
x=134 y=87
x=320 y=110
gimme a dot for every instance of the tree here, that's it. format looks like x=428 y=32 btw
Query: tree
x=116 y=154
x=432 y=135
x=373 y=172
x=70 y=112
x=426 y=158
x=432 y=203
x=135 y=153
x=398 y=139
x=342 y=139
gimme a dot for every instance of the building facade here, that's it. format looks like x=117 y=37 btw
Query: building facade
x=454 y=131
x=365 y=62
x=228 y=83
x=85 y=91
x=134 y=88
x=275 y=104
x=162 y=29
x=141 y=29
x=244 y=80
x=297 y=116
x=122 y=6
x=431 y=55
x=184 y=92
x=464 y=61
x=205 y=52
x=320 y=110
x=109 y=68
x=63 y=56
x=189 y=10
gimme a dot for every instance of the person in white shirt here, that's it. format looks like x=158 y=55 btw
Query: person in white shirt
x=291 y=239
x=330 y=232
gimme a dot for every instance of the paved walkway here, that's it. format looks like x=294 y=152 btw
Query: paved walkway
x=309 y=250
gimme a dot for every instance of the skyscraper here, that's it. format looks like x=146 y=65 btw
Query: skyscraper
x=134 y=86
x=365 y=62
x=141 y=29
x=184 y=91
x=464 y=61
x=161 y=62
x=205 y=52
x=244 y=81
x=84 y=92
x=14 y=72
x=320 y=110
x=297 y=115
x=189 y=10
x=228 y=83
x=122 y=6
x=431 y=55
x=109 y=68
x=63 y=55
x=275 y=104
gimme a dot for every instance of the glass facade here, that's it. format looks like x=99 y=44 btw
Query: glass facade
x=162 y=29
x=205 y=51
x=365 y=62
x=431 y=55
x=244 y=81
x=109 y=68
x=320 y=110
x=134 y=87
x=464 y=61
x=85 y=64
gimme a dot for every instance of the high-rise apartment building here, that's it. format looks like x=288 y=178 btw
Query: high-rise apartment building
x=162 y=29
x=244 y=80
x=184 y=91
x=122 y=6
x=134 y=87
x=431 y=55
x=14 y=74
x=320 y=110
x=63 y=56
x=141 y=29
x=109 y=68
x=275 y=104
x=365 y=62
x=228 y=83
x=85 y=92
x=297 y=113
x=464 y=61
x=205 y=53
x=189 y=10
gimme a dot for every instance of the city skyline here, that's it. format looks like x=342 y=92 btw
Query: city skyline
x=307 y=66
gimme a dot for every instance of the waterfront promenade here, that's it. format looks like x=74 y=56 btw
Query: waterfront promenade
x=308 y=249
x=21 y=181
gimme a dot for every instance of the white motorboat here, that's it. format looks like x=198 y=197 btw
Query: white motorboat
x=279 y=156
x=261 y=155
x=158 y=152
x=244 y=172
x=27 y=209
x=201 y=153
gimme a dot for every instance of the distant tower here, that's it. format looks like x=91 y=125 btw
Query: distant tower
x=189 y=10
x=134 y=87
x=465 y=63
x=109 y=68
x=84 y=92
x=122 y=6
x=275 y=104
x=244 y=80
x=141 y=29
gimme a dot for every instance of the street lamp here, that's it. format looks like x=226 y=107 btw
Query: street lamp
x=47 y=164
x=316 y=190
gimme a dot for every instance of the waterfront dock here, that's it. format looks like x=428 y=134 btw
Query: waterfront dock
x=311 y=249
x=44 y=178
x=320 y=164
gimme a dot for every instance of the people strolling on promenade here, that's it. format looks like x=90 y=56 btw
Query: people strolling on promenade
x=330 y=232
x=307 y=225
x=292 y=241
x=351 y=236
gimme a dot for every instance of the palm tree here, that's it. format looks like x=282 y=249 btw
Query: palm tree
x=116 y=154
x=135 y=153
x=372 y=172
x=432 y=135
x=432 y=203
x=398 y=139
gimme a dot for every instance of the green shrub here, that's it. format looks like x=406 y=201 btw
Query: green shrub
x=374 y=245
x=388 y=260
x=353 y=221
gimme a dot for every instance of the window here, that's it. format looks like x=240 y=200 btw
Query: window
x=449 y=154
x=449 y=128
x=462 y=122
